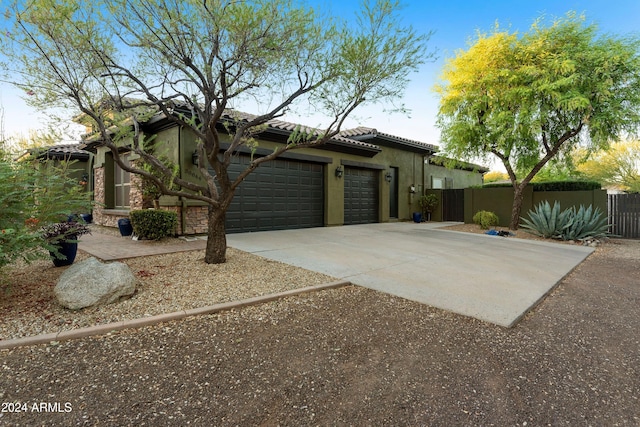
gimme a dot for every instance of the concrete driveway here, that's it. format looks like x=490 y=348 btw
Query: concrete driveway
x=491 y=278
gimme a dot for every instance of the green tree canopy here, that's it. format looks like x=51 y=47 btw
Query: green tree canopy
x=619 y=166
x=529 y=98
x=116 y=62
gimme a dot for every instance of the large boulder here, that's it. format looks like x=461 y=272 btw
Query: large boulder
x=92 y=282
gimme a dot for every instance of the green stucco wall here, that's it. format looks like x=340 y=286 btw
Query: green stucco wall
x=500 y=201
x=409 y=173
x=334 y=186
x=413 y=171
x=459 y=178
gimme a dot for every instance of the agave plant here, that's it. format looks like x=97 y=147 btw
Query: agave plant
x=546 y=221
x=570 y=224
x=585 y=223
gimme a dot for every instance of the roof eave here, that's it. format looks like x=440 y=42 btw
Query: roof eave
x=332 y=144
x=416 y=147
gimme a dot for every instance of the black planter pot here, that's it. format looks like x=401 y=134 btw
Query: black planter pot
x=67 y=250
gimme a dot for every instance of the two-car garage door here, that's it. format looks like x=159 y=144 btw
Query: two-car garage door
x=278 y=195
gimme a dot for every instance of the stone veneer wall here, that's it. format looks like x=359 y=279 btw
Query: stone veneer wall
x=196 y=217
x=99 y=197
x=98 y=190
x=135 y=192
x=101 y=215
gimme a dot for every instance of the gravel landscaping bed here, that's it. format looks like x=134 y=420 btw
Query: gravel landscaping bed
x=167 y=283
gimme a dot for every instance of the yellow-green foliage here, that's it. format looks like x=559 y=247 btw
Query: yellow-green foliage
x=618 y=166
x=529 y=98
x=482 y=65
x=494 y=176
x=486 y=219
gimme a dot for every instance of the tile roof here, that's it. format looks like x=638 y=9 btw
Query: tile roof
x=366 y=132
x=58 y=151
x=347 y=138
x=359 y=131
x=65 y=149
x=234 y=115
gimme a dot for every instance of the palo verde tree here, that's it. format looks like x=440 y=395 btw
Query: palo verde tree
x=118 y=62
x=529 y=98
x=618 y=166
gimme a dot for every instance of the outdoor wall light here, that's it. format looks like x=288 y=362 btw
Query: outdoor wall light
x=412 y=189
x=339 y=171
x=387 y=177
x=195 y=158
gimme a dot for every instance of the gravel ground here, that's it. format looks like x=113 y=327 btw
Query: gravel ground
x=353 y=356
x=167 y=283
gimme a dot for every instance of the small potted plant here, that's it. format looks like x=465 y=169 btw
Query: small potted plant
x=61 y=239
x=428 y=202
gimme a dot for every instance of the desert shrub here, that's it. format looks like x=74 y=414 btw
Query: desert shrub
x=546 y=221
x=486 y=219
x=585 y=223
x=570 y=224
x=566 y=186
x=35 y=195
x=553 y=185
x=153 y=224
x=428 y=202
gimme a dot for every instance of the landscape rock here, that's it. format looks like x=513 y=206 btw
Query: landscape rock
x=92 y=282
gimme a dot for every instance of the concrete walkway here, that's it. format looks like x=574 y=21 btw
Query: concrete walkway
x=111 y=248
x=491 y=278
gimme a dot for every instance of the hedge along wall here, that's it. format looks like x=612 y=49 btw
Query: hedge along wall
x=500 y=201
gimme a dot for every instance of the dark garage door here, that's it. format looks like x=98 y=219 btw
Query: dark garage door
x=278 y=195
x=360 y=196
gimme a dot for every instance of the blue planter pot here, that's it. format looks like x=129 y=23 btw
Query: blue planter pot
x=417 y=217
x=68 y=250
x=126 y=229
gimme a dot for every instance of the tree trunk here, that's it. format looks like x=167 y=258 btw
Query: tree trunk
x=216 y=238
x=518 y=194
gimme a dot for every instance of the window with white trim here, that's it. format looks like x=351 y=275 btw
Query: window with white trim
x=122 y=183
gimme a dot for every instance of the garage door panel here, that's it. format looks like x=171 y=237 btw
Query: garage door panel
x=361 y=196
x=278 y=195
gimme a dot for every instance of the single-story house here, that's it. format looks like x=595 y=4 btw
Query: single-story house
x=81 y=161
x=360 y=176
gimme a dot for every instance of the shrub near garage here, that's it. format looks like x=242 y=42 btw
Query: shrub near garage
x=486 y=219
x=153 y=224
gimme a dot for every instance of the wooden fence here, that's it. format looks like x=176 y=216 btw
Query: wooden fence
x=624 y=215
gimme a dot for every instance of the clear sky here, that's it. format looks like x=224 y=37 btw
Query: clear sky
x=454 y=23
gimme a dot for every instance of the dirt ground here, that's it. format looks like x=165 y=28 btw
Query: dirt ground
x=353 y=356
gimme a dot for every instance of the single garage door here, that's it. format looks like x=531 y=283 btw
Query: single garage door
x=360 y=196
x=278 y=195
